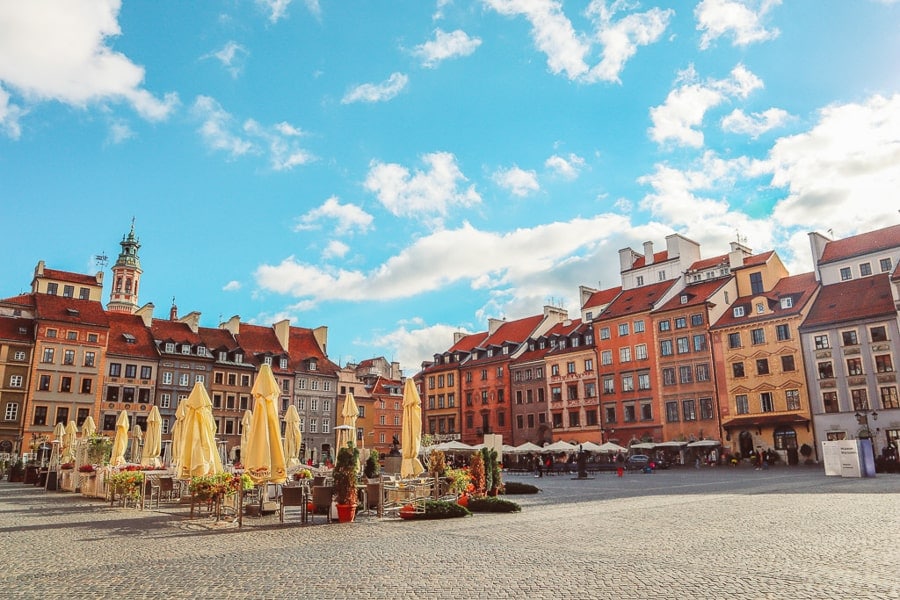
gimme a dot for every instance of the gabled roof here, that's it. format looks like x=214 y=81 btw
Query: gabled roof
x=303 y=346
x=70 y=310
x=382 y=384
x=513 y=331
x=602 y=297
x=77 y=278
x=17 y=329
x=708 y=263
x=852 y=300
x=130 y=337
x=756 y=260
x=864 y=243
x=697 y=294
x=256 y=339
x=466 y=343
x=800 y=288
x=636 y=300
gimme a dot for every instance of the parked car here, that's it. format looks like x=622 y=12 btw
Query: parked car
x=637 y=462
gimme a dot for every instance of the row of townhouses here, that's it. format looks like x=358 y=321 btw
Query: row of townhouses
x=730 y=348
x=63 y=356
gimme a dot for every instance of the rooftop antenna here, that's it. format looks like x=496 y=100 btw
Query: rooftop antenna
x=101 y=260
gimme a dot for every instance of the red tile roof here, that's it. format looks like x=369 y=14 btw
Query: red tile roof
x=26 y=300
x=864 y=243
x=218 y=338
x=70 y=310
x=256 y=339
x=852 y=300
x=513 y=331
x=800 y=288
x=757 y=259
x=11 y=328
x=121 y=326
x=602 y=297
x=78 y=278
x=302 y=346
x=636 y=300
x=466 y=343
x=658 y=257
x=707 y=263
x=173 y=331
x=696 y=294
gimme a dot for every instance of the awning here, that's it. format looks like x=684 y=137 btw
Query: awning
x=765 y=421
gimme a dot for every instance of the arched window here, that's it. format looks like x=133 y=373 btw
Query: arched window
x=785 y=437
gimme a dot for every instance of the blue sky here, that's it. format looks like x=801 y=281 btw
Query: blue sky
x=399 y=171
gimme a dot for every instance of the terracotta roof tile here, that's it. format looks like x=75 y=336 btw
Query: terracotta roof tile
x=696 y=294
x=636 y=300
x=218 y=338
x=658 y=257
x=17 y=329
x=466 y=343
x=256 y=339
x=129 y=336
x=26 y=300
x=513 y=331
x=800 y=288
x=852 y=300
x=602 y=297
x=78 y=278
x=864 y=243
x=70 y=310
x=179 y=333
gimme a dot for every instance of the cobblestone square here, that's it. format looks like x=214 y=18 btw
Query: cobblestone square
x=679 y=533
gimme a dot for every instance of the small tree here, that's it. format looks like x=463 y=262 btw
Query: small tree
x=437 y=463
x=373 y=467
x=346 y=471
x=476 y=472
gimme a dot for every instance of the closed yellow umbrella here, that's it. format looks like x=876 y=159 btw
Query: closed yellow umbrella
x=246 y=423
x=137 y=436
x=88 y=428
x=59 y=432
x=349 y=414
x=265 y=456
x=152 y=439
x=411 y=432
x=198 y=453
x=68 y=445
x=178 y=432
x=120 y=442
x=292 y=437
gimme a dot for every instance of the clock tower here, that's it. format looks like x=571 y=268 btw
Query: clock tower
x=126 y=276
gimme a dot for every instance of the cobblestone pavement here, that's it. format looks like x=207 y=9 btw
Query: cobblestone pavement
x=682 y=533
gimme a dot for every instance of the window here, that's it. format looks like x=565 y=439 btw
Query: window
x=128 y=394
x=782 y=332
x=65 y=384
x=668 y=374
x=167 y=377
x=889 y=397
x=700 y=343
x=646 y=411
x=130 y=371
x=184 y=379
x=680 y=322
x=854 y=366
x=185 y=348
x=11 y=412
x=665 y=347
x=40 y=415
x=737 y=369
x=860 y=399
x=639 y=326
x=760 y=308
x=787 y=363
x=665 y=325
x=628 y=382
x=19 y=355
x=47 y=356
x=685 y=374
x=86 y=385
x=671 y=412
x=146 y=372
x=52 y=289
x=625 y=354
x=610 y=414
x=112 y=394
x=92 y=338
x=606 y=357
x=89 y=359
x=609 y=386
x=830 y=402
x=845 y=274
x=878 y=334
x=848 y=338
x=554 y=371
x=556 y=393
x=785 y=437
x=62 y=415
x=762 y=366
x=766 y=404
x=640 y=352
x=865 y=269
x=639 y=280
x=623 y=329
x=734 y=340
x=738 y=311
x=590 y=390
x=574 y=420
x=588 y=364
x=643 y=381
x=684 y=345
x=689 y=410
x=885 y=264
x=703 y=372
x=826 y=370
x=629 y=413
x=706 y=408
x=756 y=283
x=792 y=399
x=570 y=367
x=821 y=342
x=757 y=336
x=72 y=335
x=696 y=320
x=786 y=302
x=15 y=381
x=604 y=333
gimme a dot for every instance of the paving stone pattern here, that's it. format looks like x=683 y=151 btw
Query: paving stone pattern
x=678 y=534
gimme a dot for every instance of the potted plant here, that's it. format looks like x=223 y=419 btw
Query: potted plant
x=372 y=468
x=346 y=471
x=17 y=471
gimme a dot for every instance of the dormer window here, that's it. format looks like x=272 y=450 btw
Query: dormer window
x=129 y=339
x=787 y=302
x=684 y=298
x=312 y=364
x=505 y=349
x=223 y=356
x=490 y=352
x=185 y=348
x=760 y=308
x=267 y=360
x=738 y=311
x=283 y=363
x=238 y=358
x=170 y=347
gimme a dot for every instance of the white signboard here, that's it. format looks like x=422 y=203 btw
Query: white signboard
x=848 y=458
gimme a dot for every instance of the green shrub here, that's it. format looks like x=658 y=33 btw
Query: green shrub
x=515 y=487
x=441 y=509
x=493 y=504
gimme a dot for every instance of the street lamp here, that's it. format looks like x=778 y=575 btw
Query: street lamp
x=862 y=417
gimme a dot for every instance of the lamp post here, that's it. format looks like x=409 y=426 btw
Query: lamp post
x=862 y=417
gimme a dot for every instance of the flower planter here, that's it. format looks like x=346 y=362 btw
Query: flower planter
x=463 y=500
x=346 y=513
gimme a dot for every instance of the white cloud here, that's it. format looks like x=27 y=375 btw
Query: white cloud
x=740 y=18
x=685 y=107
x=278 y=142
x=231 y=286
x=349 y=217
x=412 y=346
x=119 y=131
x=377 y=92
x=844 y=173
x=446 y=45
x=567 y=50
x=439 y=9
x=754 y=124
x=335 y=249
x=231 y=56
x=518 y=181
x=57 y=50
x=429 y=192
x=567 y=167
